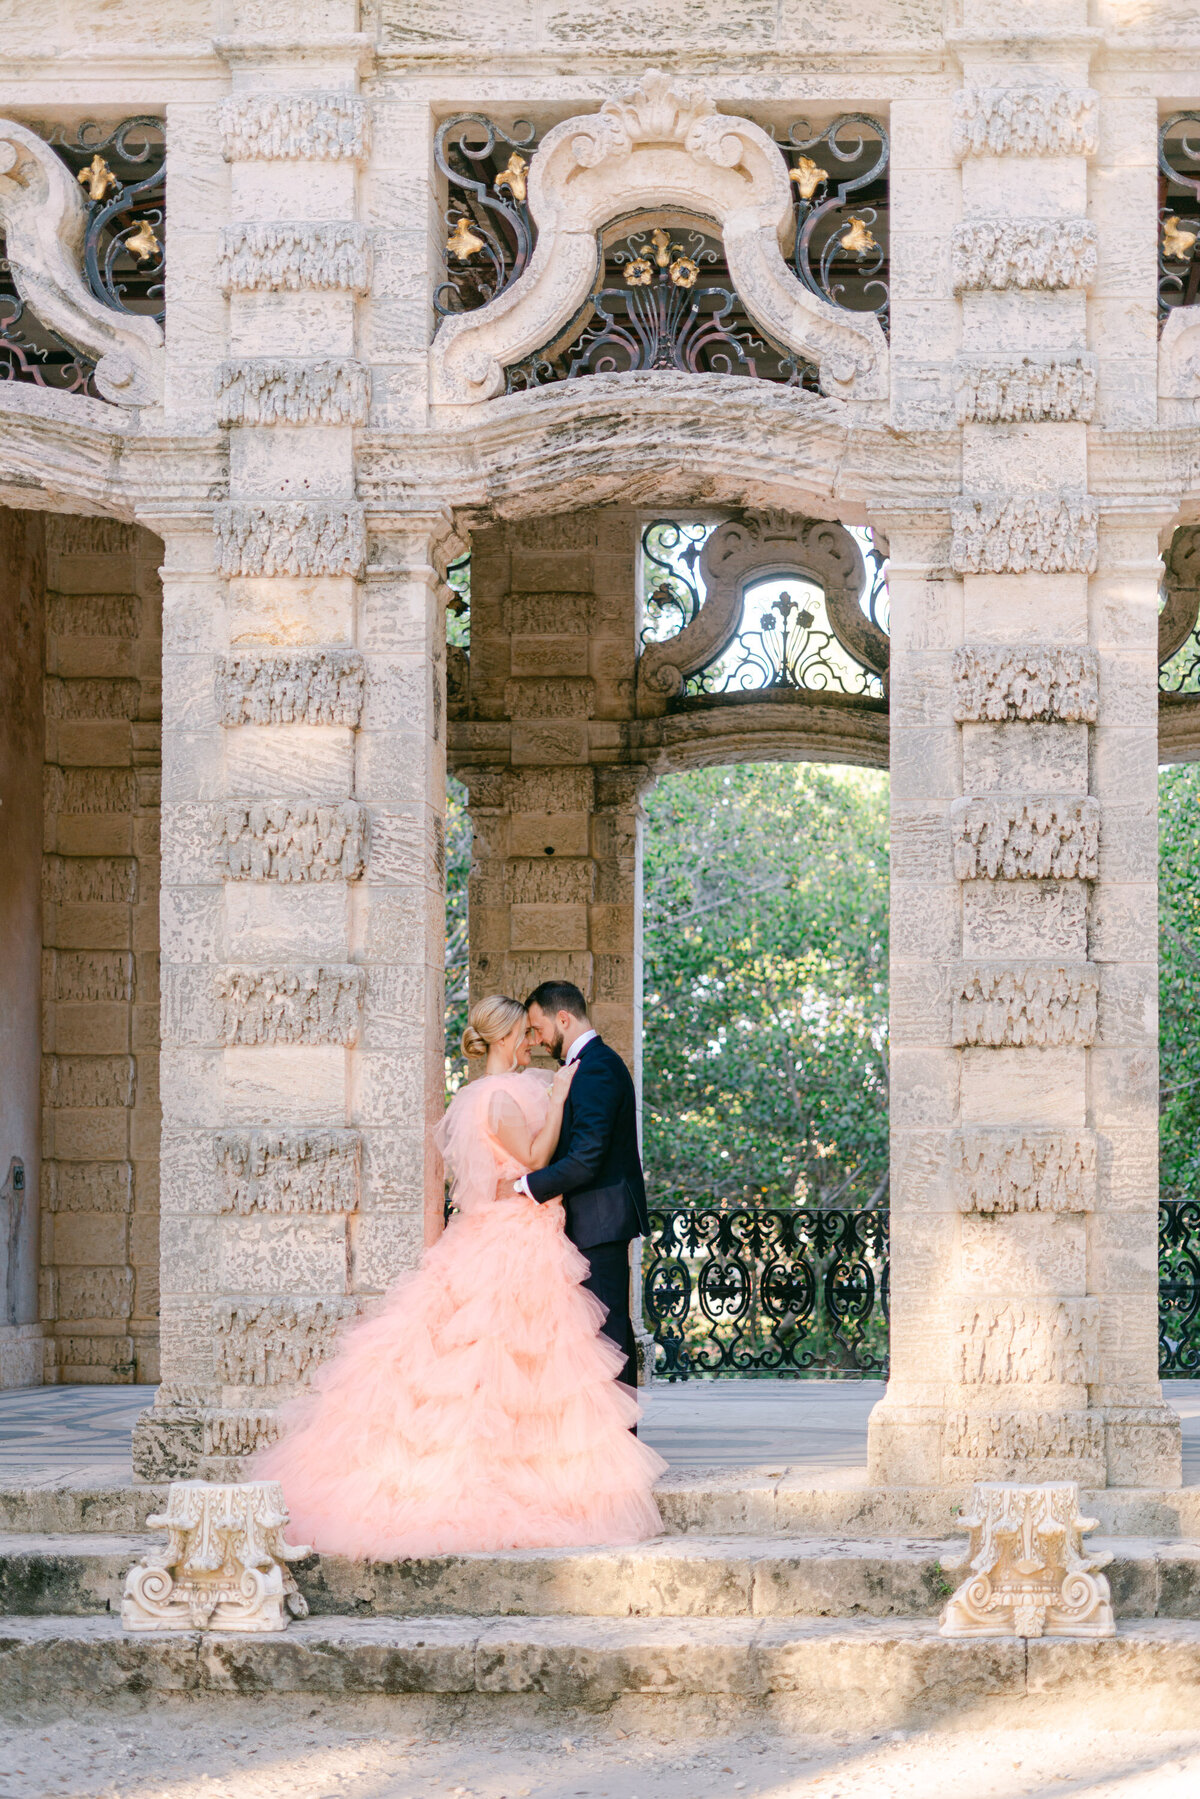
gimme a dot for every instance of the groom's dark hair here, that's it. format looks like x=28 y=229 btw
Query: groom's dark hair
x=558 y=996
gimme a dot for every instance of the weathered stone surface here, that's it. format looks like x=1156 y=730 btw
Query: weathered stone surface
x=291 y=537
x=1026 y=1171
x=83 y=975
x=1027 y=1342
x=1016 y=1445
x=1024 y=253
x=1044 y=682
x=88 y=1081
x=259 y=1343
x=1043 y=838
x=1007 y=390
x=290 y=1005
x=277 y=258
x=289 y=1171
x=1022 y=533
x=278 y=390
x=283 y=840
x=1025 y=121
x=1002 y=1005
x=293 y=126
x=323 y=687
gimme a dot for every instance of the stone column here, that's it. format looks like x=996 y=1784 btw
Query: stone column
x=1024 y=745
x=302 y=902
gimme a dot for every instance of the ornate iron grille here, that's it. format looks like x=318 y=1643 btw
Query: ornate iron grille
x=1178 y=212
x=839 y=249
x=785 y=643
x=750 y=1290
x=664 y=300
x=1179 y=1289
x=122 y=172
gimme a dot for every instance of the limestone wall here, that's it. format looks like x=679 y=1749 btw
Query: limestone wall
x=100 y=897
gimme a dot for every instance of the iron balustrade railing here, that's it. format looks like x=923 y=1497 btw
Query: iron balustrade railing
x=1179 y=1289
x=744 y=1290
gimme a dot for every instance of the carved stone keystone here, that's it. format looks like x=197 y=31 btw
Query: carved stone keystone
x=1029 y=1573
x=224 y=1566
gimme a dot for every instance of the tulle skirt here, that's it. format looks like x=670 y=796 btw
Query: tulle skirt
x=478 y=1410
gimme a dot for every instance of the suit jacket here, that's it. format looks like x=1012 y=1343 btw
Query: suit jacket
x=596 y=1166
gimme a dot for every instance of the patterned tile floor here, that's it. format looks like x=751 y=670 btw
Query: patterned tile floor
x=51 y=1434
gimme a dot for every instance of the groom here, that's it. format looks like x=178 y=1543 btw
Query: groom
x=596 y=1167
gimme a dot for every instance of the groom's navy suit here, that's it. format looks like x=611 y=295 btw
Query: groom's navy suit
x=598 y=1172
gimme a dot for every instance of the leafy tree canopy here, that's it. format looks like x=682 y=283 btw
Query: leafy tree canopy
x=1179 y=979
x=765 y=990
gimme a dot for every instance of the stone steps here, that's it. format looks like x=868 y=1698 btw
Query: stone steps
x=672 y=1577
x=861 y=1674
x=755 y=1502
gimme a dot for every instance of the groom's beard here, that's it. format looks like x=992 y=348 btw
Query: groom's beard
x=556 y=1048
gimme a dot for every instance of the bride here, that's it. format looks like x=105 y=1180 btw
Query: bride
x=479 y=1408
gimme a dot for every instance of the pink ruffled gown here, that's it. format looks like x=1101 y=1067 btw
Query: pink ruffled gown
x=478 y=1409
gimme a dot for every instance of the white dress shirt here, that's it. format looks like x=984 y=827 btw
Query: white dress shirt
x=572 y=1055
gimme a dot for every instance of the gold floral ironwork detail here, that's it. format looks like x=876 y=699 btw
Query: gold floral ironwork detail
x=684 y=272
x=513 y=178
x=808 y=176
x=856 y=239
x=462 y=241
x=142 y=243
x=662 y=246
x=1177 y=243
x=639 y=272
x=98 y=178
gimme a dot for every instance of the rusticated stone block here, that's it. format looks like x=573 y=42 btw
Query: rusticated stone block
x=1042 y=682
x=1023 y=253
x=290 y=537
x=91 y=790
x=1009 y=390
x=88 y=1186
x=1051 y=837
x=281 y=840
x=91 y=698
x=94 y=1293
x=316 y=127
x=74 y=880
x=320 y=687
x=1024 y=1445
x=87 y=1081
x=92 y=614
x=230 y=1433
x=1026 y=1171
x=277 y=390
x=550 y=880
x=534 y=698
x=75 y=975
x=1003 y=1005
x=259 y=1343
x=290 y=1005
x=1025 y=1342
x=1019 y=533
x=1025 y=121
x=289 y=1171
x=277 y=258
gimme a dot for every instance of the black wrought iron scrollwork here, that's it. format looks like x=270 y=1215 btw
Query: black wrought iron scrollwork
x=1178 y=212
x=672 y=587
x=840 y=194
x=31 y=352
x=490 y=234
x=664 y=300
x=122 y=171
x=749 y=1290
x=1179 y=1289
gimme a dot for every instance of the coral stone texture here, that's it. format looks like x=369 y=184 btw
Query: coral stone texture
x=228 y=686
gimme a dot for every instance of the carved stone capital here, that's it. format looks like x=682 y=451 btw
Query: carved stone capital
x=1048 y=1005
x=225 y=1564
x=658 y=146
x=1049 y=534
x=1025 y=121
x=1024 y=253
x=273 y=126
x=1029 y=1575
x=277 y=390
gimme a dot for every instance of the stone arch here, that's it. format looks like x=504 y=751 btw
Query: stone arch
x=664 y=147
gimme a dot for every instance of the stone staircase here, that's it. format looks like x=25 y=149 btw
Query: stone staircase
x=817 y=1605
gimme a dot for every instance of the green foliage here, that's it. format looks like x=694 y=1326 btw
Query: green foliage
x=765 y=953
x=458 y=869
x=1179 y=979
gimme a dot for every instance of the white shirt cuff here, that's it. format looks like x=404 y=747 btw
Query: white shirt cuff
x=523 y=1187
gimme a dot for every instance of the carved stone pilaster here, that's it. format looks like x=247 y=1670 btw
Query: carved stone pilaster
x=1024 y=253
x=1048 y=534
x=277 y=258
x=290 y=537
x=315 y=127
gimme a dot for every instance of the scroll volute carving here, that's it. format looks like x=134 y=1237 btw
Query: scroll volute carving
x=754 y=548
x=1177 y=620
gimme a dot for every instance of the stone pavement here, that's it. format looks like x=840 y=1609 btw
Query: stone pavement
x=48 y=1434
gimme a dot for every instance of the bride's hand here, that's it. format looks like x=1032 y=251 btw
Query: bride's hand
x=561 y=1084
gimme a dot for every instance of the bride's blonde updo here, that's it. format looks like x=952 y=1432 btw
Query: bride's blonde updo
x=489 y=1021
